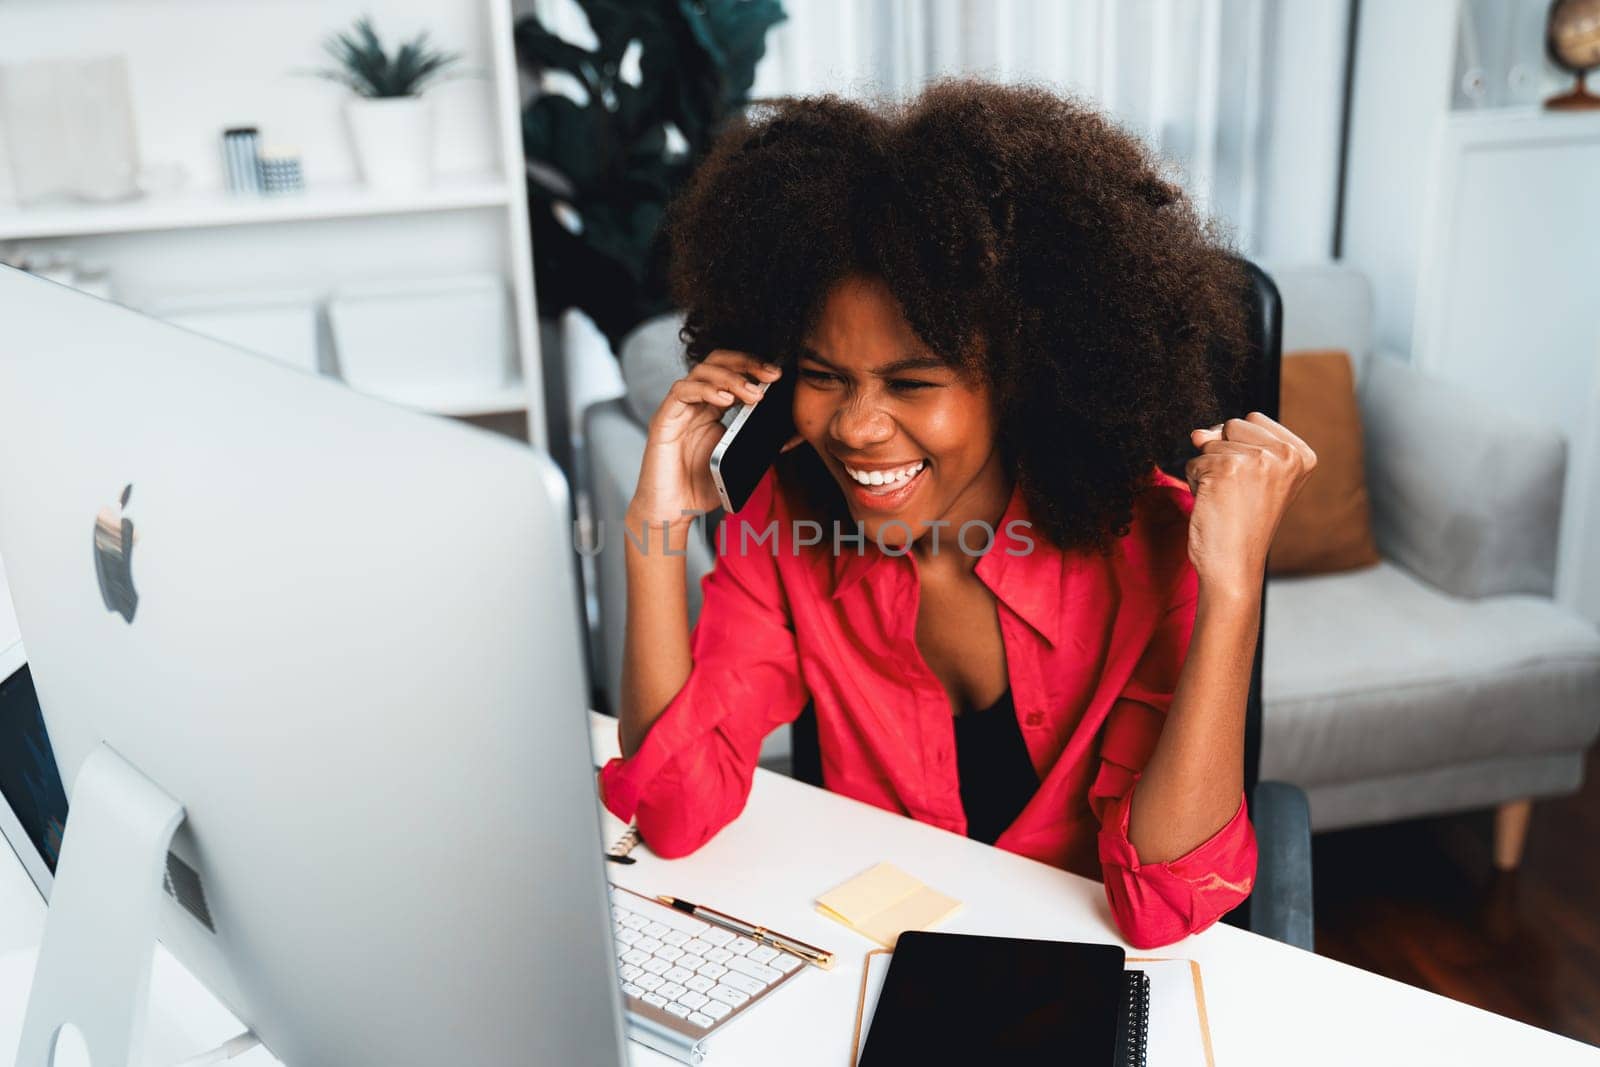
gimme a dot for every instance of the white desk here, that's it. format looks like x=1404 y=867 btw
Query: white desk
x=1268 y=1004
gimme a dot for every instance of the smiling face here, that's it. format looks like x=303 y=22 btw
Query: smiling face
x=907 y=437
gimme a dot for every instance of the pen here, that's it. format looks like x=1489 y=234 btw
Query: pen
x=817 y=957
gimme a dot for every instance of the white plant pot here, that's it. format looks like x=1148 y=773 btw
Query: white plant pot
x=393 y=139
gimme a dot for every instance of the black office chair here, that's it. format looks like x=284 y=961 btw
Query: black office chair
x=1280 y=905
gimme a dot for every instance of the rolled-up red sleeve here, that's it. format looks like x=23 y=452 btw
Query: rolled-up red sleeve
x=1158 y=903
x=691 y=776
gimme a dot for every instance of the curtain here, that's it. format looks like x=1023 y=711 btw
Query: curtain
x=1186 y=75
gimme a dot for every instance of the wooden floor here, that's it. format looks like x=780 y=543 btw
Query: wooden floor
x=1421 y=902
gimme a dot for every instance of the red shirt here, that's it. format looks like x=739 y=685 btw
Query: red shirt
x=1094 y=646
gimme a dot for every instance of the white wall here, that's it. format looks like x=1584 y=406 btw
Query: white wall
x=1405 y=55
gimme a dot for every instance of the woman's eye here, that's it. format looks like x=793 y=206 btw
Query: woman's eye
x=909 y=385
x=817 y=375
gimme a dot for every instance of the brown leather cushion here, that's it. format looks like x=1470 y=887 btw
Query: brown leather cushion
x=1329 y=525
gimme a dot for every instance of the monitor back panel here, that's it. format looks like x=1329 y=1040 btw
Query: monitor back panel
x=354 y=658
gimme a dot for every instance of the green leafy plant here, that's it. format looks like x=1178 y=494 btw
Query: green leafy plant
x=364 y=66
x=606 y=155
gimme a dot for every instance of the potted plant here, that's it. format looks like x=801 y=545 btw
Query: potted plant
x=391 y=124
x=607 y=152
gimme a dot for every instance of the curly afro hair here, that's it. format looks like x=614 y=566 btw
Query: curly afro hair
x=1027 y=239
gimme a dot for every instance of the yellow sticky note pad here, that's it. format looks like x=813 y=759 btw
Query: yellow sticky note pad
x=884 y=902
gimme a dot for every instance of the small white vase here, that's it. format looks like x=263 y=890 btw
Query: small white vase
x=393 y=138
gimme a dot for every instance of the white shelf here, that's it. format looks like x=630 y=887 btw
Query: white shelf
x=216 y=208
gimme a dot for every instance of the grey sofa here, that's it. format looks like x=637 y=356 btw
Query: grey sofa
x=1444 y=678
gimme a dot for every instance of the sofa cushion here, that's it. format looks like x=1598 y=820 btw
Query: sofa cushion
x=652 y=359
x=1328 y=527
x=1373 y=672
x=1464 y=495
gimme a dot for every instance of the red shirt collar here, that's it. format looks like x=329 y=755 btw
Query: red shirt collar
x=1023 y=569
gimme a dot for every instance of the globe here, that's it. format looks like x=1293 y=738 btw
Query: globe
x=1573 y=40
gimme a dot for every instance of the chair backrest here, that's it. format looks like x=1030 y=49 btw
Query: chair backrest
x=1257 y=390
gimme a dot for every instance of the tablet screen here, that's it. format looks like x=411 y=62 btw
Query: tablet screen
x=958 y=998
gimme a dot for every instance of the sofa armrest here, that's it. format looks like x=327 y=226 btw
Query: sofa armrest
x=1280 y=904
x=615 y=445
x=1464 y=496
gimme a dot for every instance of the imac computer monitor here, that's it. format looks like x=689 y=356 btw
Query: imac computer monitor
x=344 y=637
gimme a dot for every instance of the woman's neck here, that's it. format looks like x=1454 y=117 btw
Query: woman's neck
x=984 y=499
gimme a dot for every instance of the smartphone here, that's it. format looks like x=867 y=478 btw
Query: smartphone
x=752 y=442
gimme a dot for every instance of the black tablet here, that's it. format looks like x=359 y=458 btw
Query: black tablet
x=959 y=998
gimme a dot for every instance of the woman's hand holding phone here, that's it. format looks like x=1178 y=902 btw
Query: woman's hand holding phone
x=675 y=475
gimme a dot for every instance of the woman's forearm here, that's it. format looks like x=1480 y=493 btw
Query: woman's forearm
x=1191 y=785
x=655 y=658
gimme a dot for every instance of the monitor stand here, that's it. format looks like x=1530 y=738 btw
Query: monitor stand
x=100 y=931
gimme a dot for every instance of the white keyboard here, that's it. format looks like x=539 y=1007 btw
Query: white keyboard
x=686 y=975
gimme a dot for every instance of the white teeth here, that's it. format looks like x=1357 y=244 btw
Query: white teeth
x=885 y=477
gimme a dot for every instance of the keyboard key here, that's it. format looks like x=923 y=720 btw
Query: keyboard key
x=635 y=957
x=656 y=965
x=740 y=945
x=628 y=937
x=700 y=1018
x=713 y=970
x=742 y=982
x=632 y=990
x=634 y=922
x=785 y=962
x=692 y=999
x=656 y=929
x=761 y=954
x=630 y=972
x=693 y=963
x=668 y=953
x=716 y=1009
x=658 y=1001
x=728 y=995
x=679 y=1010
x=672 y=990
x=759 y=971
x=678 y=974
x=650 y=982
x=717 y=936
x=699 y=983
x=698 y=945
x=647 y=944
x=676 y=938
x=618 y=912
x=719 y=955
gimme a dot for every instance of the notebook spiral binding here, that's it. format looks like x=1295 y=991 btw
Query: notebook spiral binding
x=1133 y=1030
x=626 y=843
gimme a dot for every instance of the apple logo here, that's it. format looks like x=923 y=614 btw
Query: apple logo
x=113 y=558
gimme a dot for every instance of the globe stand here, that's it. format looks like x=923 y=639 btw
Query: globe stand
x=1579 y=98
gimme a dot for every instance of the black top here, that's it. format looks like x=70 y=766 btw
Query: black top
x=997 y=775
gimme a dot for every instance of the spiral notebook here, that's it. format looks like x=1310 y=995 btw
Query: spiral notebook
x=962 y=998
x=1160 y=1013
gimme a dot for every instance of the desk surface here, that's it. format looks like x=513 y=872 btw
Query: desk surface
x=1268 y=1004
